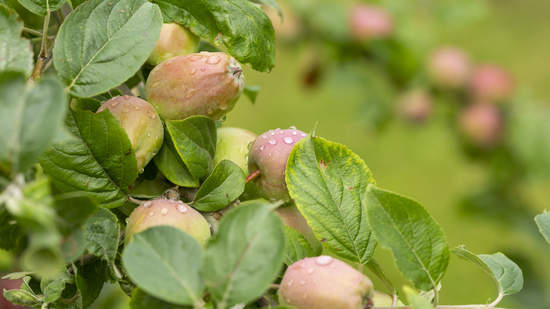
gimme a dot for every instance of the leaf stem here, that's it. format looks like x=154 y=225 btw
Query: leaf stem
x=134 y=201
x=35 y=32
x=499 y=298
x=43 y=57
x=379 y=272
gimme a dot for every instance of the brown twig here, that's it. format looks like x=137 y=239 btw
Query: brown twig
x=44 y=56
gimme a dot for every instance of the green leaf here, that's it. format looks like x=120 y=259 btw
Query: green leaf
x=543 y=222
x=195 y=141
x=85 y=104
x=15 y=52
x=141 y=300
x=417 y=242
x=297 y=247
x=242 y=26
x=53 y=287
x=42 y=7
x=172 y=167
x=93 y=59
x=246 y=254
x=90 y=279
x=506 y=274
x=327 y=182
x=30 y=118
x=23 y=298
x=75 y=3
x=166 y=263
x=102 y=235
x=10 y=231
x=221 y=188
x=251 y=92
x=73 y=209
x=416 y=301
x=17 y=275
x=101 y=161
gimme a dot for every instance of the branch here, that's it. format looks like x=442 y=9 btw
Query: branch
x=43 y=57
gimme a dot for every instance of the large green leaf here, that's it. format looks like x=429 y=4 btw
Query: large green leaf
x=15 y=52
x=172 y=167
x=416 y=240
x=141 y=300
x=102 y=235
x=242 y=26
x=543 y=222
x=297 y=247
x=104 y=42
x=506 y=274
x=195 y=141
x=246 y=254
x=327 y=182
x=218 y=190
x=101 y=161
x=166 y=263
x=10 y=230
x=30 y=118
x=90 y=279
x=42 y=7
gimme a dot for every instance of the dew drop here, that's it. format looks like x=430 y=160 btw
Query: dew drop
x=303 y=134
x=125 y=110
x=281 y=132
x=264 y=136
x=192 y=71
x=156 y=137
x=288 y=140
x=151 y=114
x=273 y=142
x=203 y=69
x=305 y=295
x=136 y=107
x=115 y=104
x=213 y=60
x=270 y=154
x=210 y=111
x=152 y=213
x=181 y=208
x=294 y=133
x=324 y=260
x=142 y=121
x=155 y=84
x=292 y=128
x=126 y=104
x=310 y=271
x=127 y=220
x=272 y=133
x=303 y=282
x=223 y=106
x=148 y=204
x=142 y=170
x=164 y=211
x=126 y=97
x=223 y=118
x=148 y=133
x=262 y=147
x=169 y=62
x=291 y=282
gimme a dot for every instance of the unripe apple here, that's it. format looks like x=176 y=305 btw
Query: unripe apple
x=381 y=299
x=415 y=106
x=450 y=67
x=268 y=156
x=491 y=83
x=370 y=22
x=168 y=212
x=325 y=283
x=141 y=122
x=482 y=124
x=292 y=217
x=207 y=84
x=232 y=144
x=174 y=40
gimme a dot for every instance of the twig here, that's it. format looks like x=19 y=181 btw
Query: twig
x=36 y=32
x=43 y=57
x=134 y=201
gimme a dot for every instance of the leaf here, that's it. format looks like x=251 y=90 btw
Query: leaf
x=141 y=300
x=15 y=52
x=101 y=161
x=166 y=263
x=416 y=301
x=73 y=209
x=103 y=43
x=297 y=247
x=17 y=275
x=172 y=167
x=10 y=231
x=506 y=274
x=20 y=297
x=53 y=287
x=242 y=26
x=327 y=182
x=543 y=222
x=251 y=92
x=102 y=232
x=85 y=104
x=417 y=242
x=223 y=186
x=195 y=140
x=30 y=118
x=90 y=279
x=246 y=254
x=42 y=7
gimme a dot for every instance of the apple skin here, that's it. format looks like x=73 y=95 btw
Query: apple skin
x=415 y=106
x=232 y=144
x=142 y=124
x=325 y=283
x=168 y=212
x=207 y=84
x=292 y=217
x=482 y=124
x=450 y=67
x=369 y=22
x=269 y=154
x=491 y=83
x=174 y=40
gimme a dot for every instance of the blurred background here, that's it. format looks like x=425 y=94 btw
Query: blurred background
x=446 y=101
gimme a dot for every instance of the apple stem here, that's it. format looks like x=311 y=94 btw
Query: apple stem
x=253 y=175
